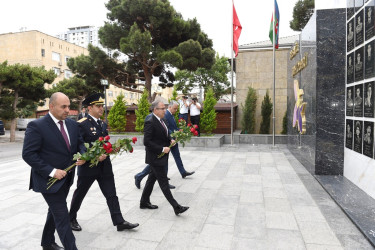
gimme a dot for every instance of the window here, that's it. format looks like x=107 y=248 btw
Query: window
x=56 y=56
x=57 y=71
x=110 y=93
x=67 y=58
x=131 y=96
x=110 y=104
x=68 y=73
x=126 y=95
x=43 y=53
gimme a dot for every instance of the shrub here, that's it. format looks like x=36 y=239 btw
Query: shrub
x=248 y=118
x=117 y=115
x=266 y=115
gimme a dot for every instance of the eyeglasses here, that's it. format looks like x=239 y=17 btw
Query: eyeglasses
x=160 y=108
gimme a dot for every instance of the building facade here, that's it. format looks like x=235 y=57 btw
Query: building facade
x=254 y=69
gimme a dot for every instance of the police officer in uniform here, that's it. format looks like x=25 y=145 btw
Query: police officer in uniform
x=91 y=128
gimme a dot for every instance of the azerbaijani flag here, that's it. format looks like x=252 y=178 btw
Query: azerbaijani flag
x=276 y=28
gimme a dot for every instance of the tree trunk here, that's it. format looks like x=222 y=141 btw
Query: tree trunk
x=148 y=76
x=14 y=120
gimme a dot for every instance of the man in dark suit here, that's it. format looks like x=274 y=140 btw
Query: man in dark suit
x=157 y=141
x=91 y=128
x=83 y=113
x=49 y=145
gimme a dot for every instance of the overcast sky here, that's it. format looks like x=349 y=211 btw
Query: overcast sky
x=53 y=17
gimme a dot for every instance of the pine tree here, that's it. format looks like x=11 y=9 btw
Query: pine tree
x=266 y=115
x=142 y=111
x=208 y=121
x=248 y=119
x=117 y=115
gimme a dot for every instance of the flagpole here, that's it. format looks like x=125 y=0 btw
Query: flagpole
x=274 y=83
x=231 y=85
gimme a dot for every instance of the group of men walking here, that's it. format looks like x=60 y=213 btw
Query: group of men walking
x=51 y=142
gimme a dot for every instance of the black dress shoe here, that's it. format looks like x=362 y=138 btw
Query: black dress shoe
x=126 y=225
x=74 y=225
x=137 y=182
x=180 y=209
x=148 y=205
x=168 y=178
x=53 y=246
x=187 y=174
x=171 y=186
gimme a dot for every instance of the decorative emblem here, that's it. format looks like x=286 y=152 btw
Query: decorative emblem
x=299 y=118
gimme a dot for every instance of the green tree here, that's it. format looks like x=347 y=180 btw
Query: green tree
x=117 y=114
x=248 y=118
x=174 y=98
x=142 y=111
x=302 y=12
x=208 y=121
x=76 y=89
x=266 y=115
x=285 y=124
x=155 y=37
x=21 y=85
x=215 y=78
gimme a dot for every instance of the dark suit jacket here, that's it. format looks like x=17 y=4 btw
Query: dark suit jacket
x=155 y=138
x=90 y=132
x=170 y=121
x=44 y=149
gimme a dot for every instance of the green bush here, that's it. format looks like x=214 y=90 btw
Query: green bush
x=248 y=118
x=208 y=121
x=142 y=111
x=285 y=124
x=266 y=115
x=117 y=115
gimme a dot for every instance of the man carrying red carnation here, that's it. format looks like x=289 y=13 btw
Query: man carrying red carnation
x=92 y=129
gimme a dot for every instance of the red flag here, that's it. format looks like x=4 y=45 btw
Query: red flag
x=236 y=31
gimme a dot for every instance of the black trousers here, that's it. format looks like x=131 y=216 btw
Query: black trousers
x=195 y=119
x=158 y=173
x=108 y=188
x=58 y=218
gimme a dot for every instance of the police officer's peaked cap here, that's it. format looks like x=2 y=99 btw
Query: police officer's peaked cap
x=94 y=99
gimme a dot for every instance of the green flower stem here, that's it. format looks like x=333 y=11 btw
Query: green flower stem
x=52 y=180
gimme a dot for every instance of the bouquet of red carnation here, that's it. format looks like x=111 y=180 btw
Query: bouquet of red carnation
x=184 y=134
x=99 y=147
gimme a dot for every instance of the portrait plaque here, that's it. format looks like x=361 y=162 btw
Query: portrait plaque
x=359 y=65
x=358 y=100
x=350 y=35
x=358 y=136
x=359 y=28
x=349 y=9
x=349 y=101
x=368 y=103
x=369 y=20
x=349 y=134
x=369 y=60
x=358 y=4
x=368 y=139
x=350 y=68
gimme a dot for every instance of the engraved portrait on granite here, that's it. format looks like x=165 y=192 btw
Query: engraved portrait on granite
x=358 y=68
x=358 y=136
x=368 y=110
x=358 y=100
x=369 y=21
x=349 y=101
x=359 y=28
x=349 y=9
x=350 y=68
x=349 y=134
x=369 y=60
x=368 y=139
x=350 y=35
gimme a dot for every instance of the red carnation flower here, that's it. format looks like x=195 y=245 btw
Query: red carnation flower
x=195 y=133
x=195 y=126
x=192 y=130
x=101 y=138
x=189 y=125
x=109 y=150
x=107 y=138
x=134 y=139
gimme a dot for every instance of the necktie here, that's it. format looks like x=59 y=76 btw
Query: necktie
x=100 y=123
x=64 y=134
x=165 y=127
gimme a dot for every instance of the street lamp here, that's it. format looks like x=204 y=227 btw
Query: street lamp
x=104 y=82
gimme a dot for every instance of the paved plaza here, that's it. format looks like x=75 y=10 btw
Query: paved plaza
x=241 y=197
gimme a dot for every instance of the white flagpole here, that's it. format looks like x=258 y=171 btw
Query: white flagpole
x=231 y=87
x=274 y=83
